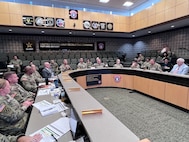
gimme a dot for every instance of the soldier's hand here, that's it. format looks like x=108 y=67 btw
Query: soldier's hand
x=35 y=138
x=27 y=103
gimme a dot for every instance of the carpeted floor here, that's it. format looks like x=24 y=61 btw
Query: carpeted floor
x=145 y=116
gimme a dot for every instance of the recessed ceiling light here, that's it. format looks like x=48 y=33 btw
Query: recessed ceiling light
x=10 y=30
x=93 y=34
x=172 y=26
x=70 y=32
x=42 y=32
x=128 y=3
x=149 y=32
x=104 y=1
x=133 y=35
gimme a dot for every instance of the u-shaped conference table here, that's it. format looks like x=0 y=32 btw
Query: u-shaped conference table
x=104 y=126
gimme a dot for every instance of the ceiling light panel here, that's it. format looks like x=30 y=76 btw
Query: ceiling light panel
x=104 y=1
x=128 y=3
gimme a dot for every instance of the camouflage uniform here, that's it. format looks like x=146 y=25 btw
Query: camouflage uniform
x=64 y=68
x=54 y=67
x=38 y=78
x=154 y=67
x=101 y=65
x=82 y=66
x=29 y=83
x=89 y=64
x=17 y=63
x=4 y=138
x=118 y=66
x=12 y=116
x=144 y=65
x=21 y=93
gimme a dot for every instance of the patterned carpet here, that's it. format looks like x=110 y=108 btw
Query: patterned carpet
x=145 y=116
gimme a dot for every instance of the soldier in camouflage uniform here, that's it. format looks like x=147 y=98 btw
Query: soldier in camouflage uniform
x=17 y=91
x=118 y=64
x=17 y=64
x=154 y=66
x=54 y=67
x=36 y=75
x=89 y=63
x=98 y=63
x=81 y=64
x=28 y=82
x=12 y=115
x=64 y=67
x=20 y=138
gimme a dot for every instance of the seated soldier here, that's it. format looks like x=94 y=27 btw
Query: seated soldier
x=81 y=64
x=135 y=65
x=98 y=63
x=54 y=67
x=154 y=66
x=36 y=75
x=17 y=64
x=17 y=91
x=118 y=64
x=13 y=118
x=28 y=82
x=89 y=63
x=65 y=66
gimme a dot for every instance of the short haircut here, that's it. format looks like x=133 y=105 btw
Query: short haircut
x=181 y=60
x=8 y=74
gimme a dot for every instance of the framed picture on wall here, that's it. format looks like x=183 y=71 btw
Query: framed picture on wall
x=29 y=46
x=101 y=45
x=73 y=14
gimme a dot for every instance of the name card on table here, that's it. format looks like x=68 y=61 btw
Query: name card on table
x=74 y=89
x=92 y=111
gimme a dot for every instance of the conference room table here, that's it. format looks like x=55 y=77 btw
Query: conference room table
x=104 y=126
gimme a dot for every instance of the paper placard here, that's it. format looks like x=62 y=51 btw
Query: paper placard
x=74 y=89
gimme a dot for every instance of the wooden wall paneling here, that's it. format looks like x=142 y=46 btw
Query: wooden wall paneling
x=176 y=94
x=4 y=7
x=5 y=19
x=160 y=17
x=38 y=10
x=182 y=10
x=86 y=16
x=141 y=84
x=16 y=20
x=59 y=13
x=152 y=20
x=15 y=8
x=27 y=10
x=170 y=3
x=81 y=80
x=160 y=6
x=157 y=89
x=170 y=14
x=151 y=11
x=48 y=11
x=129 y=81
x=188 y=100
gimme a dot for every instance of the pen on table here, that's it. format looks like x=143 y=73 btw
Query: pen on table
x=54 y=137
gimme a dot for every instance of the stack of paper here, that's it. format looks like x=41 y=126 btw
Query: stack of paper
x=55 y=130
x=45 y=107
